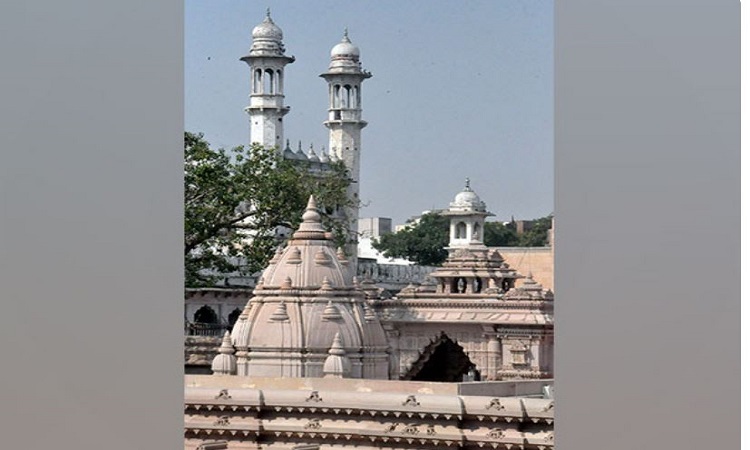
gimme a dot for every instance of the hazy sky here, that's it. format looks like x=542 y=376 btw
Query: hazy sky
x=459 y=89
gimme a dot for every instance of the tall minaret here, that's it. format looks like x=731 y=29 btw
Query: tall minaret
x=344 y=77
x=267 y=61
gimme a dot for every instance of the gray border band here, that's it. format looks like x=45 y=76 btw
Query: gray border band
x=647 y=201
x=646 y=205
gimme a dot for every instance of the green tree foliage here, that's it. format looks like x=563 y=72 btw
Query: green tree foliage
x=423 y=242
x=497 y=234
x=537 y=235
x=235 y=200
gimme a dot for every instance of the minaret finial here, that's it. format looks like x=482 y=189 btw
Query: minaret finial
x=468 y=184
x=346 y=35
x=268 y=12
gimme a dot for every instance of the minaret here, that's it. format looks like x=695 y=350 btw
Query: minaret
x=267 y=61
x=344 y=77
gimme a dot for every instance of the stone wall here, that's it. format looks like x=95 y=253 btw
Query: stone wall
x=537 y=260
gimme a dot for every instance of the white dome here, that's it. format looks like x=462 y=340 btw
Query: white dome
x=467 y=200
x=267 y=30
x=345 y=49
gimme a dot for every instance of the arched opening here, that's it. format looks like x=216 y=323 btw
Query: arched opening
x=337 y=96
x=233 y=316
x=476 y=285
x=460 y=230
x=477 y=232
x=443 y=361
x=458 y=286
x=205 y=314
x=279 y=82
x=355 y=97
x=268 y=82
x=347 y=97
x=257 y=81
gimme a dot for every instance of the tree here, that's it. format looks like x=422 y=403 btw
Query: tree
x=537 y=235
x=423 y=242
x=497 y=234
x=236 y=200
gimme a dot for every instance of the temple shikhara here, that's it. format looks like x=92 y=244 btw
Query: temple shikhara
x=322 y=356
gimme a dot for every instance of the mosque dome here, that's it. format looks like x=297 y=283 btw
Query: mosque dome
x=345 y=49
x=308 y=301
x=267 y=30
x=467 y=200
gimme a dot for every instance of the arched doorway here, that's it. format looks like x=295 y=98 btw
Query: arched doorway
x=205 y=314
x=233 y=316
x=443 y=361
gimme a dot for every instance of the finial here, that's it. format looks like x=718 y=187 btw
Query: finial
x=468 y=184
x=226 y=344
x=268 y=12
x=311 y=145
x=287 y=143
x=311 y=203
x=337 y=348
x=299 y=145
x=346 y=34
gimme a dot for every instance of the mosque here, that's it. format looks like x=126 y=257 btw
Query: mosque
x=319 y=357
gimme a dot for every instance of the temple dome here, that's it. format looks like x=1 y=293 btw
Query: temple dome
x=306 y=299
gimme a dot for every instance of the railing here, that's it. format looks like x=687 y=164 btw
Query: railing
x=206 y=329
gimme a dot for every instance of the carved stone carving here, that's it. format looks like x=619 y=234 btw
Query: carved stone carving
x=495 y=433
x=314 y=397
x=411 y=429
x=222 y=421
x=495 y=404
x=223 y=394
x=313 y=424
x=410 y=401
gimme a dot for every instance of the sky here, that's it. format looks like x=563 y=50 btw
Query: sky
x=460 y=89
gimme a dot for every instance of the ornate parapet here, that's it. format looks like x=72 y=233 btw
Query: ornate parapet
x=351 y=415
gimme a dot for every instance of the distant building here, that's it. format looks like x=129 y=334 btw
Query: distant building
x=374 y=227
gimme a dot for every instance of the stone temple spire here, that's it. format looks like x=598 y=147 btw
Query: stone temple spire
x=337 y=365
x=225 y=363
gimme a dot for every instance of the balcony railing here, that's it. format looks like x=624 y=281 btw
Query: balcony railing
x=206 y=329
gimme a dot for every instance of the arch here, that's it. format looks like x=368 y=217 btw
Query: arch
x=477 y=231
x=476 y=285
x=269 y=84
x=205 y=314
x=337 y=96
x=257 y=81
x=355 y=97
x=347 y=96
x=443 y=360
x=461 y=230
x=233 y=316
x=279 y=82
